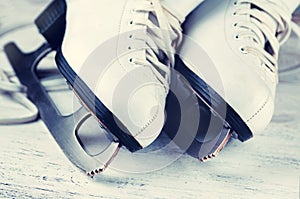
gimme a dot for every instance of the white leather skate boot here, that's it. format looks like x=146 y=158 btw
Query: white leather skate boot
x=241 y=38
x=117 y=56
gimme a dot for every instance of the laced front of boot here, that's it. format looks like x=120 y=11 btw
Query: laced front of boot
x=160 y=41
x=269 y=26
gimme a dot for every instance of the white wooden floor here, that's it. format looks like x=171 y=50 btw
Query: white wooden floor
x=268 y=166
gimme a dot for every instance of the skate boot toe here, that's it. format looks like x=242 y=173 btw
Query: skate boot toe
x=263 y=115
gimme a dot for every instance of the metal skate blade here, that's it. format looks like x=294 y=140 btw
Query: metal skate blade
x=192 y=123
x=218 y=146
x=64 y=129
x=220 y=142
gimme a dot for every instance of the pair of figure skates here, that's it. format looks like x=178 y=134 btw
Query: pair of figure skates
x=202 y=72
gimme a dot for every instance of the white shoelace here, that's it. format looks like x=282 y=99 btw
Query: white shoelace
x=16 y=92
x=160 y=37
x=261 y=31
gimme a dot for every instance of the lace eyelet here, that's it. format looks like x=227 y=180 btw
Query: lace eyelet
x=130 y=60
x=129 y=48
x=234 y=14
x=130 y=22
x=243 y=50
x=236 y=37
x=235 y=24
x=235 y=3
x=130 y=36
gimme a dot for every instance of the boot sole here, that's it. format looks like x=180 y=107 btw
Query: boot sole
x=105 y=117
